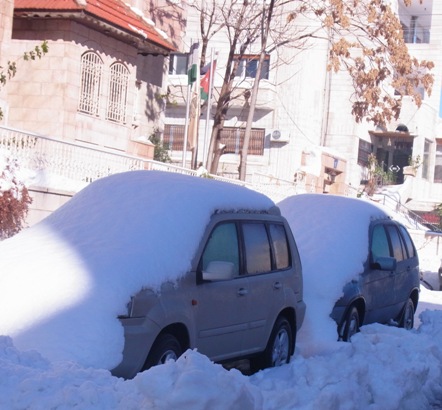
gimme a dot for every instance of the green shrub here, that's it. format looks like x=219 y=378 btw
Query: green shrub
x=161 y=150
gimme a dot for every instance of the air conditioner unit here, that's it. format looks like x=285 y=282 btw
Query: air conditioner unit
x=279 y=136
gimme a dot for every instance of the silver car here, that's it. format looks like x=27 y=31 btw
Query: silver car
x=243 y=298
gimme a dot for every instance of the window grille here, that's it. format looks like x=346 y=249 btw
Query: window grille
x=416 y=31
x=438 y=164
x=364 y=151
x=174 y=137
x=119 y=78
x=233 y=138
x=91 y=77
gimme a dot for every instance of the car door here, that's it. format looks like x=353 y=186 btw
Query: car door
x=221 y=303
x=407 y=269
x=267 y=277
x=377 y=283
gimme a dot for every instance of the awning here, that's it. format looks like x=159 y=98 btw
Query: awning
x=392 y=134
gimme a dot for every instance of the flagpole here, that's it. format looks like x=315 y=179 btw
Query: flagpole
x=209 y=105
x=186 y=125
x=191 y=78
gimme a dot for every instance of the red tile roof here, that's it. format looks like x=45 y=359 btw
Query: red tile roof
x=113 y=12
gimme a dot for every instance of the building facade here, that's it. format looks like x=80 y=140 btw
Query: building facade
x=303 y=129
x=102 y=81
x=88 y=107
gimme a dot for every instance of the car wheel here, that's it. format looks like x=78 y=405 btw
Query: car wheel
x=166 y=347
x=279 y=347
x=351 y=324
x=407 y=320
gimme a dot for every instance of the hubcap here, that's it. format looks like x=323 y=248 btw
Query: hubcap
x=280 y=351
x=353 y=326
x=408 y=316
x=168 y=355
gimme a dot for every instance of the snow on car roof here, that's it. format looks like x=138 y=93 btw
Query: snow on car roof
x=65 y=280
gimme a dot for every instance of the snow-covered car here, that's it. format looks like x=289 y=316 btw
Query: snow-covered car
x=242 y=297
x=139 y=267
x=354 y=253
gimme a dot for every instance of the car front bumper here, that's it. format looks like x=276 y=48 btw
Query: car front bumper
x=139 y=336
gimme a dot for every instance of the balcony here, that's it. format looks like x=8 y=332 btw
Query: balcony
x=177 y=93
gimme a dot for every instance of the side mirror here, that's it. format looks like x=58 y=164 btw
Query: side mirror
x=219 y=270
x=385 y=263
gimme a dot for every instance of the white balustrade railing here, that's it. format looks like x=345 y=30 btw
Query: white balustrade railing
x=70 y=165
x=73 y=161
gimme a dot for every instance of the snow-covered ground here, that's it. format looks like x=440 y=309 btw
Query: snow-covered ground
x=383 y=368
x=52 y=357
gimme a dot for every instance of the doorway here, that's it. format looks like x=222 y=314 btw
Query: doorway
x=393 y=155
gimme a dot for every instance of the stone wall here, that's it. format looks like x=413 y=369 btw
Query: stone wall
x=44 y=202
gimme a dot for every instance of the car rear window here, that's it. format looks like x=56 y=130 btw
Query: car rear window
x=280 y=246
x=257 y=247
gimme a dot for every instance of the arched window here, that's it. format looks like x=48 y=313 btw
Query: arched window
x=91 y=77
x=116 y=107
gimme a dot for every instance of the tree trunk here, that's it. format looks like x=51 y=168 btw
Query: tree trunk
x=266 y=19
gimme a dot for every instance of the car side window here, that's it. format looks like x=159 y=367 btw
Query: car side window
x=257 y=248
x=280 y=246
x=222 y=246
x=379 y=243
x=408 y=242
x=396 y=243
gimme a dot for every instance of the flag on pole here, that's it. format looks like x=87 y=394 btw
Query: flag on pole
x=206 y=80
x=192 y=68
x=192 y=94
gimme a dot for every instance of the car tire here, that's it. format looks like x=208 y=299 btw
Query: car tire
x=407 y=319
x=166 y=347
x=351 y=325
x=279 y=347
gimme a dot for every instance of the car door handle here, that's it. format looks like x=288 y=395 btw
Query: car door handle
x=242 y=292
x=277 y=285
